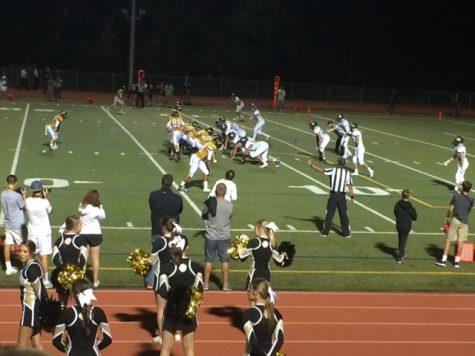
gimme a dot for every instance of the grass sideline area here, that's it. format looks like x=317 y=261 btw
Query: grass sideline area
x=124 y=157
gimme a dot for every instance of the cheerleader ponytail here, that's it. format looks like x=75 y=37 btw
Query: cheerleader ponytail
x=261 y=287
x=82 y=291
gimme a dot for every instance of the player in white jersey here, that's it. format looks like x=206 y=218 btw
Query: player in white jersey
x=118 y=101
x=358 y=158
x=256 y=149
x=322 y=138
x=239 y=104
x=344 y=130
x=460 y=154
x=260 y=123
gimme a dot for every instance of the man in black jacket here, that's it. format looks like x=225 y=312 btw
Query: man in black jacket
x=405 y=214
x=164 y=202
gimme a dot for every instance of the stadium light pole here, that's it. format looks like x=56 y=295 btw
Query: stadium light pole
x=133 y=17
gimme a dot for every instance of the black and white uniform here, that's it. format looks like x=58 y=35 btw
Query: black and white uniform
x=323 y=138
x=174 y=280
x=261 y=251
x=68 y=249
x=160 y=257
x=344 y=132
x=340 y=179
x=32 y=292
x=261 y=341
x=77 y=343
x=260 y=124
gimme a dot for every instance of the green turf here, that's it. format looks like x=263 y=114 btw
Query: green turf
x=126 y=154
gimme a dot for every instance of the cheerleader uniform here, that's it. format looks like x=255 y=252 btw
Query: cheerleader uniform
x=68 y=249
x=160 y=256
x=32 y=292
x=77 y=342
x=260 y=340
x=261 y=251
x=174 y=281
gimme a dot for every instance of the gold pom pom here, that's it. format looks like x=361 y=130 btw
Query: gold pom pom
x=280 y=353
x=239 y=243
x=68 y=275
x=195 y=302
x=139 y=261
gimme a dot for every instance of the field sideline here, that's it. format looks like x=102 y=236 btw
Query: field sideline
x=124 y=156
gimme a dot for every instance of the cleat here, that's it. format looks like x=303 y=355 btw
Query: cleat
x=264 y=165
x=355 y=173
x=457 y=265
x=277 y=163
x=371 y=172
x=182 y=188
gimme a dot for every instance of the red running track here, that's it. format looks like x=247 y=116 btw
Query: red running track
x=315 y=323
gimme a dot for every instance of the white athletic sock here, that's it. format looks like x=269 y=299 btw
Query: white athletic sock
x=46 y=276
x=8 y=264
x=457 y=259
x=205 y=185
x=444 y=258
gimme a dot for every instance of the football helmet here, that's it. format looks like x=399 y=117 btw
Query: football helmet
x=457 y=140
x=243 y=141
x=178 y=105
x=175 y=113
x=217 y=141
x=253 y=106
x=218 y=124
x=313 y=124
x=222 y=119
x=354 y=125
x=339 y=116
x=210 y=130
x=231 y=135
x=194 y=123
x=63 y=113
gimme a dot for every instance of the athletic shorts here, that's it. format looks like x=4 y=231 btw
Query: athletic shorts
x=43 y=243
x=217 y=247
x=13 y=237
x=458 y=231
x=93 y=240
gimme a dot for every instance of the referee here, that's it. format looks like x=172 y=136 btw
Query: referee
x=340 y=183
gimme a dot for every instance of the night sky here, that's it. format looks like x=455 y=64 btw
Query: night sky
x=376 y=43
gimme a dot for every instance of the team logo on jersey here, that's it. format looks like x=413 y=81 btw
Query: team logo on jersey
x=182 y=267
x=68 y=241
x=265 y=244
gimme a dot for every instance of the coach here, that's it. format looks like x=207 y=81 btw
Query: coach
x=340 y=183
x=164 y=202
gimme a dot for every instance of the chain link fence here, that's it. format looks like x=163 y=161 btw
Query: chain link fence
x=215 y=87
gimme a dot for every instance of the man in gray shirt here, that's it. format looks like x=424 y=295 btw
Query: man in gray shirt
x=217 y=212
x=457 y=216
x=13 y=204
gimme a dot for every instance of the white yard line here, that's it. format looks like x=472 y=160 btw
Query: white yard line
x=20 y=141
x=150 y=157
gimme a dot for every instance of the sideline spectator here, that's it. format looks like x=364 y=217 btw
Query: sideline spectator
x=405 y=214
x=169 y=92
x=217 y=212
x=164 y=202
x=458 y=218
x=38 y=209
x=392 y=100
x=92 y=213
x=46 y=78
x=81 y=324
x=13 y=205
x=340 y=183
x=231 y=188
x=281 y=98
x=455 y=105
x=36 y=78
x=3 y=86
x=57 y=87
x=23 y=79
x=187 y=91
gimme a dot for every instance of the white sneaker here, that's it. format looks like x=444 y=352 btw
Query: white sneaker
x=206 y=190
x=11 y=271
x=264 y=165
x=96 y=284
x=177 y=336
x=157 y=339
x=371 y=172
x=47 y=284
x=355 y=173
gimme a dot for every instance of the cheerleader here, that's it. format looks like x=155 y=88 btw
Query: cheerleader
x=262 y=249
x=175 y=283
x=92 y=212
x=70 y=248
x=161 y=256
x=33 y=293
x=81 y=322
x=262 y=324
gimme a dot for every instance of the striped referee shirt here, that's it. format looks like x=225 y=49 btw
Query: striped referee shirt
x=340 y=179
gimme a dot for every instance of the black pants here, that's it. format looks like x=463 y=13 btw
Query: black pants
x=403 y=234
x=139 y=101
x=337 y=201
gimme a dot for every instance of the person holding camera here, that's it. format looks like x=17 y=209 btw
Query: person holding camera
x=38 y=209
x=13 y=204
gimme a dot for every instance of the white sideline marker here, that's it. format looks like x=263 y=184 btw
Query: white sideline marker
x=297 y=159
x=70 y=152
x=369 y=229
x=122 y=154
x=290 y=227
x=10 y=109
x=418 y=163
x=129 y=224
x=85 y=182
x=44 y=110
x=96 y=153
x=196 y=116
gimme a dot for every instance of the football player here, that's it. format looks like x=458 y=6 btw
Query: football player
x=52 y=129
x=460 y=154
x=239 y=104
x=256 y=149
x=175 y=126
x=358 y=158
x=343 y=132
x=322 y=138
x=118 y=101
x=201 y=160
x=260 y=123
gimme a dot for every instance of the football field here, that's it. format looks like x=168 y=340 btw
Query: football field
x=125 y=156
